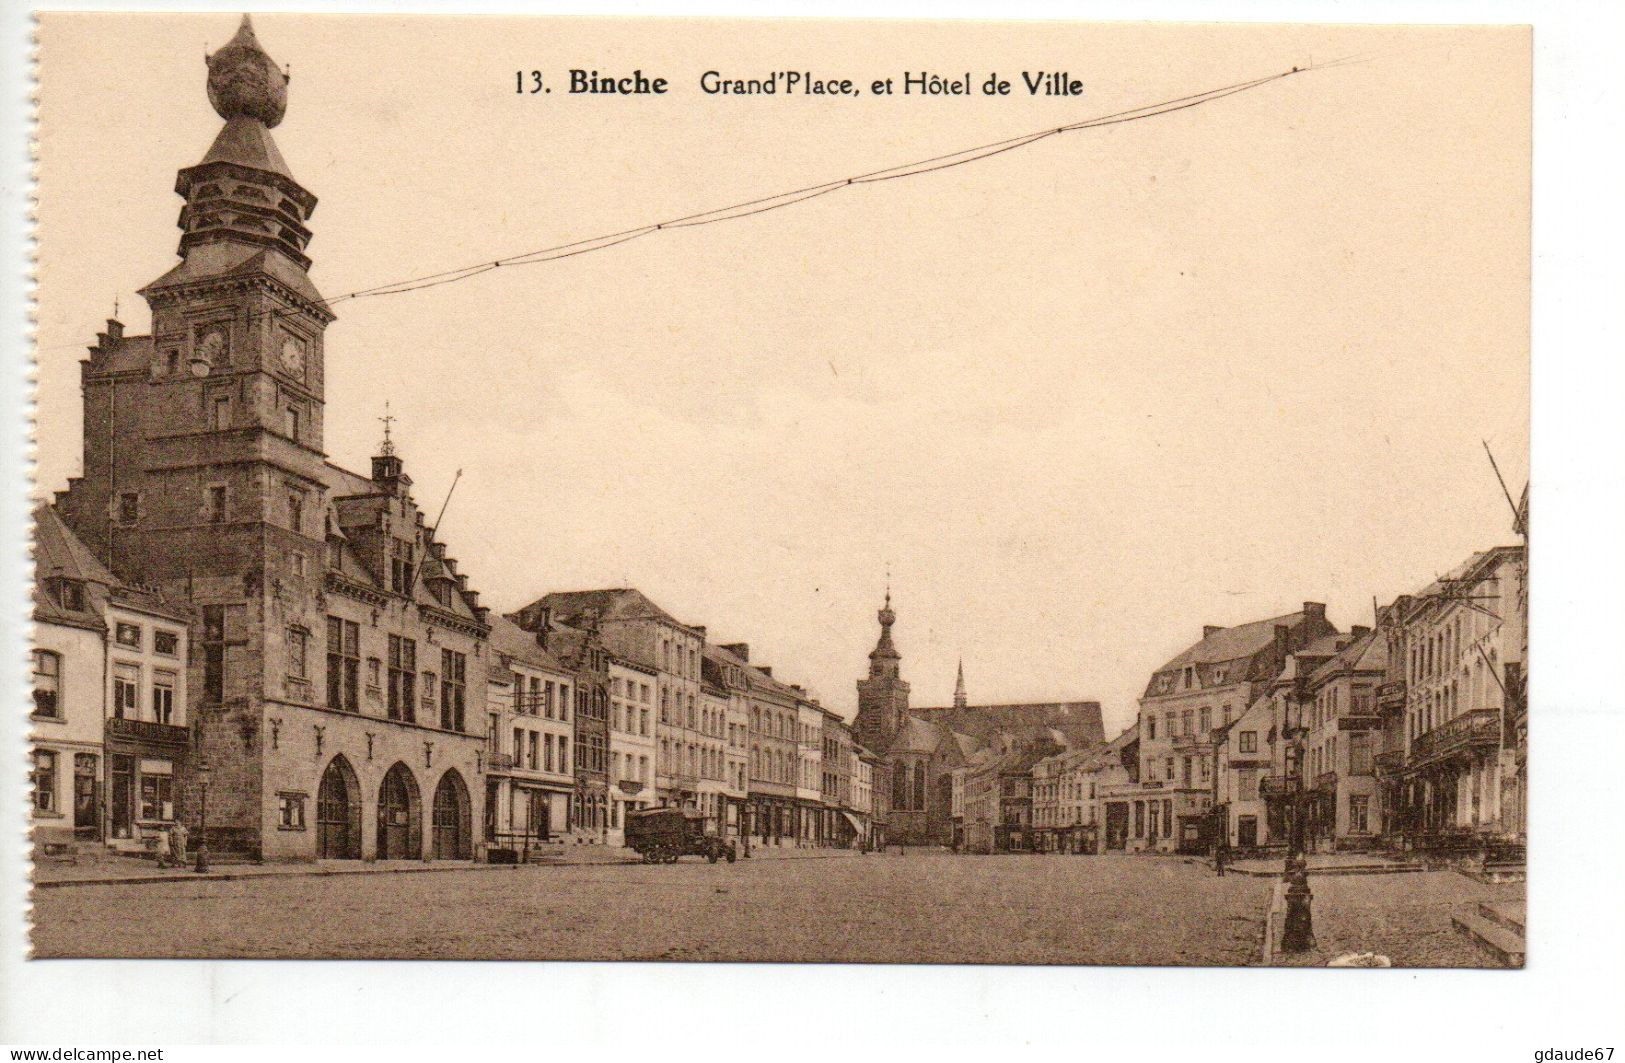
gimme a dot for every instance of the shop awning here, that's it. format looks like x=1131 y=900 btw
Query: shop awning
x=857 y=824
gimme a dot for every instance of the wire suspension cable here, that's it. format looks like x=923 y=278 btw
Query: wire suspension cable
x=763 y=204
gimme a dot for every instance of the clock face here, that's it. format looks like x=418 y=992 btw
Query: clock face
x=293 y=355
x=212 y=345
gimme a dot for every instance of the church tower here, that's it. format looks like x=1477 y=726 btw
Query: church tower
x=883 y=696
x=961 y=699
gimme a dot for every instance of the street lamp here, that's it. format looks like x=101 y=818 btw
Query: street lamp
x=203 y=817
x=1298 y=934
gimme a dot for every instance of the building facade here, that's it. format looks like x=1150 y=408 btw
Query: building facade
x=1203 y=689
x=108 y=731
x=336 y=648
x=632 y=749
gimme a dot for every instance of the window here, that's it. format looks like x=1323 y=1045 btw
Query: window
x=1249 y=742
x=44 y=780
x=343 y=664
x=643 y=722
x=1360 y=753
x=72 y=595
x=403 y=667
x=48 y=684
x=126 y=692
x=296 y=562
x=129 y=507
x=290 y=811
x=220 y=413
x=564 y=701
x=163 y=697
x=400 y=566
x=214 y=653
x=127 y=635
x=296 y=510
x=1151 y=728
x=215 y=504
x=1185 y=722
x=1359 y=814
x=166 y=643
x=1205 y=721
x=453 y=670
x=298 y=644
x=291 y=421
x=534 y=755
x=157 y=799
x=335 y=553
x=564 y=753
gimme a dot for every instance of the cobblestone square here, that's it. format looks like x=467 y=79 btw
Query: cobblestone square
x=928 y=907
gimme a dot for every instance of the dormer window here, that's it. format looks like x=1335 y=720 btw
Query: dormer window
x=71 y=593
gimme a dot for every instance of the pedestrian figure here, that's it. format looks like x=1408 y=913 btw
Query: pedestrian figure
x=175 y=842
x=1219 y=855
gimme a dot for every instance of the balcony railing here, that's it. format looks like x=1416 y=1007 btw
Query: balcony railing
x=1274 y=786
x=158 y=734
x=1390 y=762
x=1477 y=728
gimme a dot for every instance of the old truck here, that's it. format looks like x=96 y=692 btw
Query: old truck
x=661 y=835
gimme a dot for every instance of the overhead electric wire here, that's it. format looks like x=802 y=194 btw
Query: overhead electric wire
x=763 y=204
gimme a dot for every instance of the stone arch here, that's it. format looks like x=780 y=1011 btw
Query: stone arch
x=400 y=815
x=338 y=812
x=453 y=818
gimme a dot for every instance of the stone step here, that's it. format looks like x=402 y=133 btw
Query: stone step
x=1503 y=945
x=1509 y=914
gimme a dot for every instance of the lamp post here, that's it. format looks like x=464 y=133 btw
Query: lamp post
x=203 y=817
x=1298 y=934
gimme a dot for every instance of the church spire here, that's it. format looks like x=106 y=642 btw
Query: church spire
x=884 y=657
x=960 y=699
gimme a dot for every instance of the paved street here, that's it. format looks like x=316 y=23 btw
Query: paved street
x=925 y=906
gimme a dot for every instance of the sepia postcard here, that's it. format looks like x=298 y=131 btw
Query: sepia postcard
x=814 y=491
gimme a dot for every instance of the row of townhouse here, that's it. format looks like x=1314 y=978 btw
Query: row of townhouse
x=1409 y=734
x=237 y=634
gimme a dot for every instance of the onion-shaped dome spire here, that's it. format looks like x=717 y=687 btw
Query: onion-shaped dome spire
x=244 y=82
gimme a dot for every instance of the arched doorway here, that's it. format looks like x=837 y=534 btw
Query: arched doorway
x=338 y=813
x=400 y=816
x=451 y=819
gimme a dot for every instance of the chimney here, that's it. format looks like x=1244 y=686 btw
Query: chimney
x=1314 y=611
x=740 y=650
x=1209 y=630
x=1359 y=631
x=765 y=670
x=797 y=688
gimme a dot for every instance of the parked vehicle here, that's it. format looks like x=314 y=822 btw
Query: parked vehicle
x=661 y=835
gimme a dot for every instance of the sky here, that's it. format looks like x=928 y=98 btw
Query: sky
x=1078 y=400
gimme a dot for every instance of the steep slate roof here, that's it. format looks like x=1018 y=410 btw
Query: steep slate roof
x=223 y=259
x=58 y=553
x=1234 y=643
x=1368 y=653
x=619 y=603
x=511 y=640
x=1079 y=721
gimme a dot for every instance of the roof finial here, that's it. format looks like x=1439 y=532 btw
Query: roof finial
x=244 y=82
x=386 y=448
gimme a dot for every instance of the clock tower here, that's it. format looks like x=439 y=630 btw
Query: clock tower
x=203 y=441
